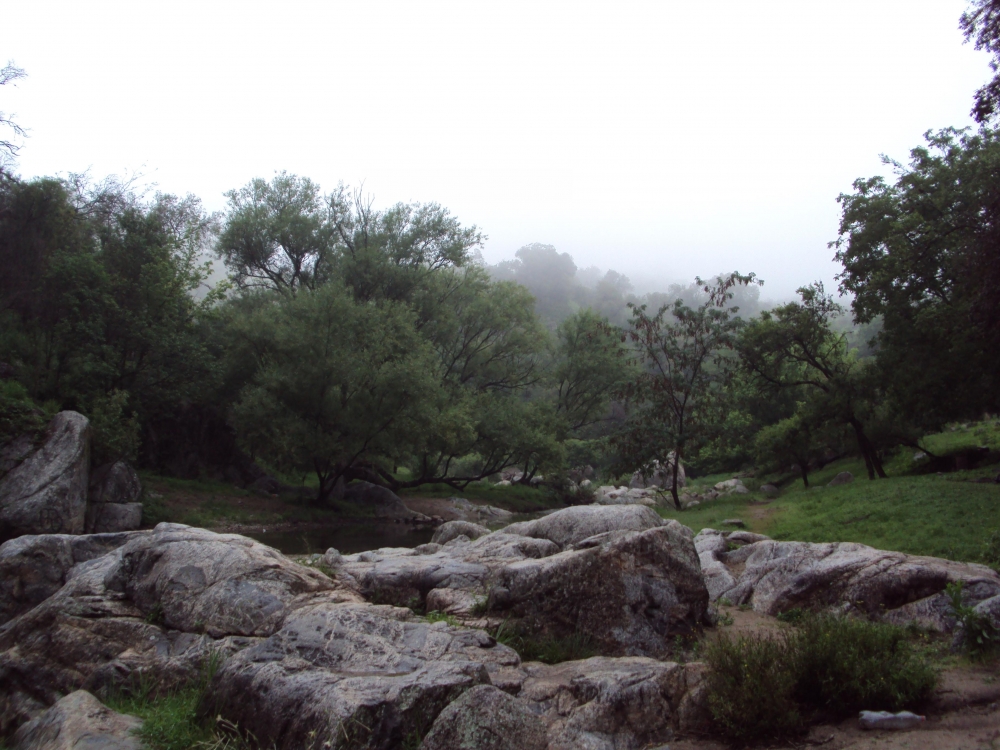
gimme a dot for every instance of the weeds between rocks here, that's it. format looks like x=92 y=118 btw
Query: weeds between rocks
x=170 y=719
x=545 y=648
x=979 y=638
x=766 y=688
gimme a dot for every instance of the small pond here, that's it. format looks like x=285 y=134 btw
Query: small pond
x=348 y=537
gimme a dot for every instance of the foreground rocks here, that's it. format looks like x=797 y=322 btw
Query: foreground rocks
x=774 y=577
x=79 y=722
x=543 y=577
x=306 y=658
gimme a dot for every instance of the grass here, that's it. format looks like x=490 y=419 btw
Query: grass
x=548 y=649
x=942 y=515
x=516 y=498
x=170 y=720
x=763 y=688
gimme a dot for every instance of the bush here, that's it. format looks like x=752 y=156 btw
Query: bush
x=751 y=688
x=847 y=665
x=763 y=688
x=978 y=636
x=545 y=648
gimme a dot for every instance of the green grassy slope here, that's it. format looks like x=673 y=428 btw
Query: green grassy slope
x=944 y=515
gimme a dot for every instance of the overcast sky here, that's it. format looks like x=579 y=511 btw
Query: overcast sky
x=662 y=139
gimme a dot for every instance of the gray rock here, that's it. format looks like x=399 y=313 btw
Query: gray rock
x=112 y=517
x=114 y=483
x=451 y=529
x=14 y=452
x=486 y=718
x=729 y=485
x=660 y=475
x=844 y=477
x=649 y=585
x=160 y=603
x=853 y=577
x=79 y=722
x=570 y=525
x=382 y=501
x=47 y=492
x=33 y=568
x=742 y=536
x=352 y=675
x=769 y=490
x=734 y=522
x=607 y=704
x=331 y=558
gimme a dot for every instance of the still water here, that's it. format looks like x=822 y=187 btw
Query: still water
x=348 y=537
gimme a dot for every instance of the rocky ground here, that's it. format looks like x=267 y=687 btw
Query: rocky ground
x=335 y=652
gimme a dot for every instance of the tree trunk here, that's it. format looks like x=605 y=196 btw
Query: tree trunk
x=673 y=484
x=865 y=447
x=805 y=473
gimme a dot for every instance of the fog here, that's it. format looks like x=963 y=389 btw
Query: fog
x=661 y=140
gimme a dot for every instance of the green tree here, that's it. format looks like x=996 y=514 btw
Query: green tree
x=798 y=440
x=981 y=25
x=794 y=347
x=676 y=400
x=342 y=388
x=920 y=255
x=278 y=234
x=590 y=366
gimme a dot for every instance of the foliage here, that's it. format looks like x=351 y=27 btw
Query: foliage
x=8 y=149
x=338 y=382
x=981 y=24
x=751 y=688
x=920 y=254
x=18 y=413
x=798 y=440
x=676 y=399
x=793 y=347
x=590 y=366
x=545 y=648
x=979 y=637
x=170 y=719
x=277 y=235
x=846 y=665
x=115 y=434
x=764 y=687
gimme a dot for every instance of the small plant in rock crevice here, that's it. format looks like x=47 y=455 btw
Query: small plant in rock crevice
x=977 y=634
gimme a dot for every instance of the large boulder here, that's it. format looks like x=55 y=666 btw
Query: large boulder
x=571 y=525
x=79 y=722
x=33 y=568
x=305 y=660
x=486 y=718
x=380 y=501
x=545 y=575
x=159 y=604
x=46 y=493
x=775 y=577
x=114 y=496
x=354 y=675
x=648 y=583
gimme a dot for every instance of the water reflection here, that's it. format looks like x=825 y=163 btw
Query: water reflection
x=348 y=537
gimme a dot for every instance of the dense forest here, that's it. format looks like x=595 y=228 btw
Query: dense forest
x=348 y=341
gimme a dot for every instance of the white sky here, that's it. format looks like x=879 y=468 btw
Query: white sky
x=662 y=139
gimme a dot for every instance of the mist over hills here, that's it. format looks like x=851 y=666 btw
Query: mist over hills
x=561 y=288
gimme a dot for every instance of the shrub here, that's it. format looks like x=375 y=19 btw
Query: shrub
x=762 y=688
x=846 y=665
x=18 y=413
x=751 y=688
x=545 y=648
